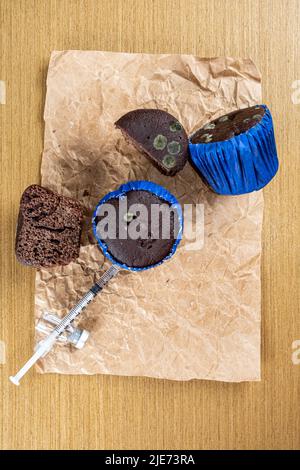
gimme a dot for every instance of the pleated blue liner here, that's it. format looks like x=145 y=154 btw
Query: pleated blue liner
x=242 y=164
x=139 y=186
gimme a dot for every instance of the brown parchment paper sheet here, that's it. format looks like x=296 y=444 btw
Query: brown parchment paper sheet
x=198 y=315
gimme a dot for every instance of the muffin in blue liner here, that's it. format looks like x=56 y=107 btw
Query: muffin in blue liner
x=125 y=190
x=244 y=159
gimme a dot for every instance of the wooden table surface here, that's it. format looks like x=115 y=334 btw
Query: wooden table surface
x=104 y=412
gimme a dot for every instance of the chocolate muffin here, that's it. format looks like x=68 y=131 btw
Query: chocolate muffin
x=229 y=125
x=49 y=228
x=236 y=153
x=139 y=231
x=159 y=136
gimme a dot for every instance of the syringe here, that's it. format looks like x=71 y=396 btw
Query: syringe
x=44 y=346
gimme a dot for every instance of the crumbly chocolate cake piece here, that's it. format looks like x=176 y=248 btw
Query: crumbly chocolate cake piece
x=156 y=235
x=159 y=136
x=229 y=125
x=49 y=228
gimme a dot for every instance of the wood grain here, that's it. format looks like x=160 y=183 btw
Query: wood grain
x=103 y=412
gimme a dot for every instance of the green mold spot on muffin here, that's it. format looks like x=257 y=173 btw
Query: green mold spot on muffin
x=169 y=161
x=223 y=118
x=160 y=142
x=174 y=147
x=210 y=125
x=129 y=216
x=207 y=137
x=175 y=126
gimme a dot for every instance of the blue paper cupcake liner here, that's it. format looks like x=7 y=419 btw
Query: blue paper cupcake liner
x=141 y=186
x=242 y=164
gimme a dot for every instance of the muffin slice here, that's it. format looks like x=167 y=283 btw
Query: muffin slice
x=49 y=228
x=159 y=136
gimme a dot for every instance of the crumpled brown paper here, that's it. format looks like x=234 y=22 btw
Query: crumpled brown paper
x=198 y=315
